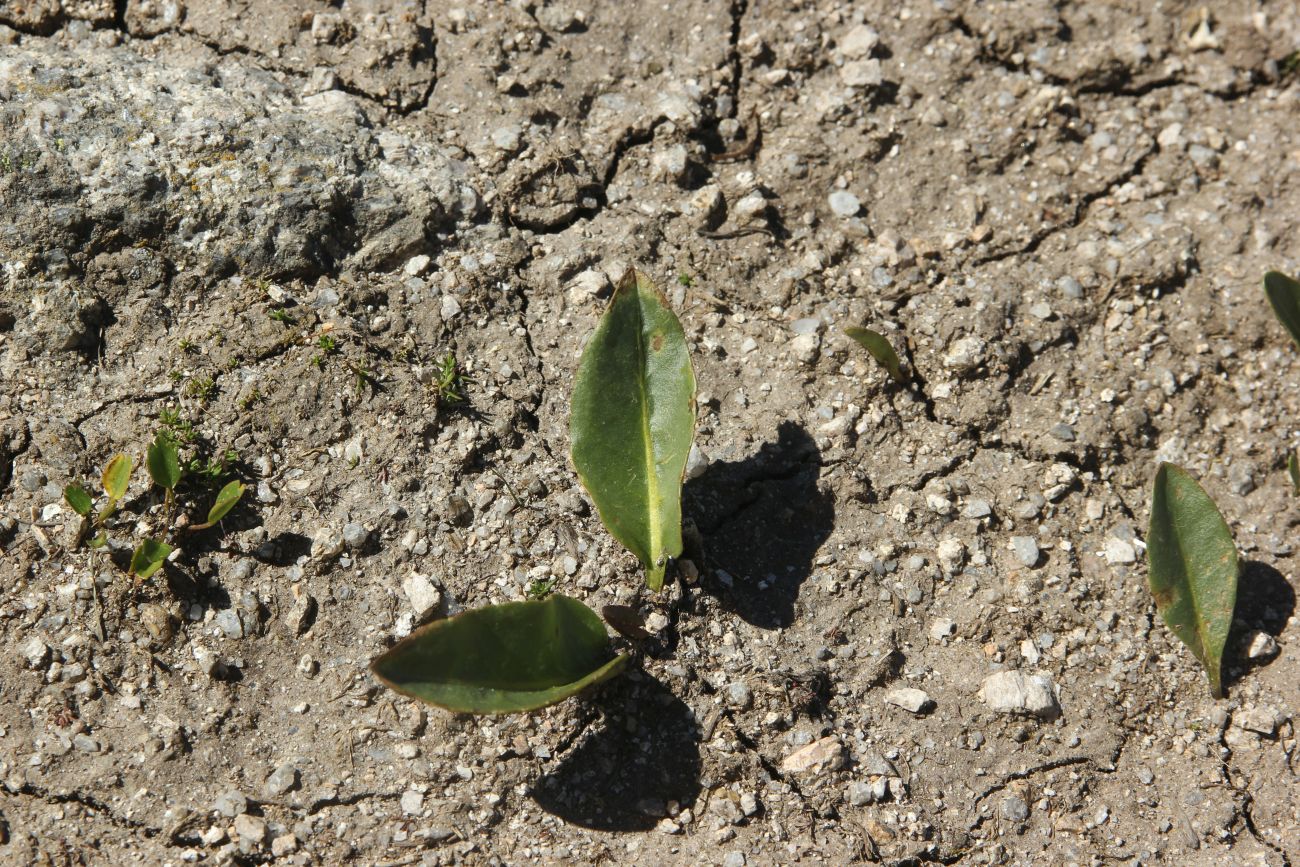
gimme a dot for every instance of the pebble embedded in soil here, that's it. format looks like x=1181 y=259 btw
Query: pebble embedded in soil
x=824 y=754
x=844 y=204
x=281 y=780
x=909 y=699
x=422 y=593
x=1026 y=549
x=1015 y=693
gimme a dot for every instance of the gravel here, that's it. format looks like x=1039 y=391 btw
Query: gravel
x=912 y=700
x=1026 y=550
x=844 y=203
x=1012 y=692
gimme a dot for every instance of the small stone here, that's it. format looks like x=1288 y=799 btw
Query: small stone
x=739 y=695
x=227 y=620
x=807 y=325
x=1014 y=809
x=1025 y=549
x=35 y=651
x=301 y=613
x=450 y=308
x=668 y=826
x=587 y=286
x=696 y=462
x=1119 y=551
x=656 y=622
x=1041 y=310
x=1260 y=645
x=844 y=204
x=1014 y=692
x=912 y=700
x=283 y=779
x=1063 y=432
x=250 y=828
x=750 y=209
x=85 y=743
x=748 y=803
x=860 y=41
x=977 y=509
x=965 y=354
x=824 y=754
x=1069 y=287
x=733 y=859
x=942 y=628
x=506 y=138
x=860 y=794
x=230 y=804
x=670 y=164
x=355 y=535
x=412 y=802
x=285 y=844
x=422 y=593
x=1261 y=720
x=952 y=553
x=416 y=265
x=326 y=545
x=862 y=73
x=806 y=348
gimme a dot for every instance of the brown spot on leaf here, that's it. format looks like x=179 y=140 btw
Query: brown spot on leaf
x=657 y=342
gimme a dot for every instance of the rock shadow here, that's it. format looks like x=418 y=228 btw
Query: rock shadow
x=1265 y=602
x=644 y=753
x=761 y=522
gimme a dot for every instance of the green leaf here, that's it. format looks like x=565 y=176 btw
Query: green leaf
x=1193 y=567
x=99 y=541
x=78 y=499
x=148 y=557
x=117 y=475
x=1293 y=468
x=163 y=462
x=633 y=420
x=881 y=350
x=1284 y=294
x=504 y=658
x=227 y=497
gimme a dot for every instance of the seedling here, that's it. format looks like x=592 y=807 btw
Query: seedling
x=163 y=463
x=451 y=382
x=1193 y=568
x=881 y=350
x=327 y=343
x=201 y=388
x=633 y=419
x=282 y=316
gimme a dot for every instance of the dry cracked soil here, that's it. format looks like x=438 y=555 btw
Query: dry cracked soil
x=295 y=233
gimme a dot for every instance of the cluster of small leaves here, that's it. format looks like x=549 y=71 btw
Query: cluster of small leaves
x=162 y=460
x=450 y=384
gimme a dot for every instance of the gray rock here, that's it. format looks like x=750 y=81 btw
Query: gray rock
x=250 y=828
x=230 y=804
x=860 y=794
x=283 y=779
x=911 y=700
x=977 y=509
x=85 y=743
x=1015 y=693
x=35 y=651
x=355 y=535
x=696 y=462
x=1014 y=809
x=1260 y=645
x=422 y=593
x=310 y=185
x=1025 y=549
x=844 y=204
x=227 y=620
x=739 y=695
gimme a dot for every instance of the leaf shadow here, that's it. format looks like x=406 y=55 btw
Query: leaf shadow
x=643 y=754
x=1265 y=603
x=761 y=521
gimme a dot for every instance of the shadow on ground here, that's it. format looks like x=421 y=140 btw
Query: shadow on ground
x=762 y=520
x=1265 y=602
x=644 y=753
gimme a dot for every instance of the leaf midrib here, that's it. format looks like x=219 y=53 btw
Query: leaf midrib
x=652 y=478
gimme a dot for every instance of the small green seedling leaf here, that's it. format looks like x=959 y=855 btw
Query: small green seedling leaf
x=99 y=541
x=1293 y=469
x=78 y=499
x=163 y=462
x=507 y=658
x=881 y=350
x=1193 y=567
x=148 y=557
x=1284 y=295
x=633 y=420
x=227 y=497
x=117 y=476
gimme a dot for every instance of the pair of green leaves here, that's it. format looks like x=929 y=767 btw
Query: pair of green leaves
x=632 y=424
